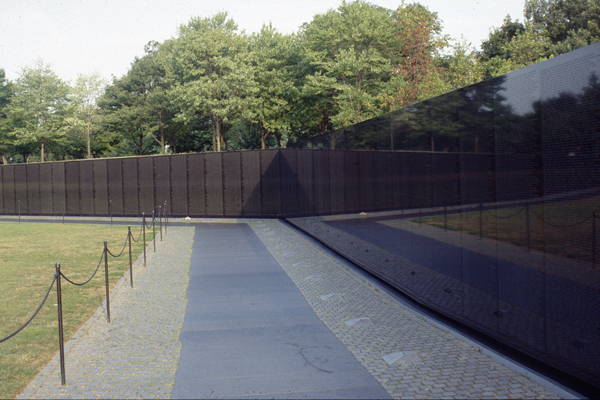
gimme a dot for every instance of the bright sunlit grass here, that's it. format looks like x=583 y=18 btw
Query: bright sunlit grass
x=563 y=228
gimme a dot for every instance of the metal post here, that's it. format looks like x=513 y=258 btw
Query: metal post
x=130 y=263
x=480 y=220
x=106 y=278
x=144 y=230
x=110 y=210
x=19 y=210
x=527 y=218
x=64 y=210
x=445 y=218
x=153 y=231
x=594 y=238
x=61 y=343
x=166 y=218
x=160 y=222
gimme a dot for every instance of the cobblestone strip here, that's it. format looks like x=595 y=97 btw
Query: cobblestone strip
x=136 y=355
x=408 y=356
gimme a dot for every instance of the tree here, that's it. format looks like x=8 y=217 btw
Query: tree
x=271 y=55
x=415 y=75
x=462 y=67
x=211 y=74
x=123 y=118
x=139 y=107
x=38 y=108
x=551 y=28
x=494 y=46
x=347 y=56
x=561 y=20
x=6 y=138
x=85 y=93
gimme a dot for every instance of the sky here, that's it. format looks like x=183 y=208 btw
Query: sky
x=104 y=36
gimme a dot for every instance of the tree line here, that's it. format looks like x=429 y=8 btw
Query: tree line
x=215 y=88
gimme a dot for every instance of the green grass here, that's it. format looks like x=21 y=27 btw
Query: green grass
x=555 y=228
x=28 y=253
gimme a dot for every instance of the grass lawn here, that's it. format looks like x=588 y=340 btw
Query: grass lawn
x=28 y=253
x=563 y=228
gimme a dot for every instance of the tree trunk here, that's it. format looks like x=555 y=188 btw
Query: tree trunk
x=217 y=138
x=89 y=144
x=263 y=136
x=214 y=132
x=4 y=159
x=42 y=153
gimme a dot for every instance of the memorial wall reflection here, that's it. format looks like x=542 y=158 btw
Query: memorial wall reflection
x=498 y=224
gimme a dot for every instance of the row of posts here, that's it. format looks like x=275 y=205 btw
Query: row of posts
x=109 y=212
x=106 y=253
x=527 y=223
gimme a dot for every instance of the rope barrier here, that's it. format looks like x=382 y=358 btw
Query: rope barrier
x=122 y=250
x=563 y=226
x=34 y=314
x=510 y=216
x=140 y=235
x=94 y=274
x=137 y=212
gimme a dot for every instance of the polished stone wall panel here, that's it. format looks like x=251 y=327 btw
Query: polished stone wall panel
x=178 y=202
x=100 y=186
x=115 y=186
x=86 y=188
x=251 y=194
x=33 y=189
x=232 y=184
x=196 y=185
x=72 y=188
x=46 y=207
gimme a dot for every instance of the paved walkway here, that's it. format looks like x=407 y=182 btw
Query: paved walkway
x=249 y=333
x=138 y=353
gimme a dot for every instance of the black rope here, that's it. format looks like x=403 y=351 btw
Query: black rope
x=34 y=314
x=563 y=226
x=122 y=250
x=94 y=274
x=139 y=236
x=125 y=209
x=510 y=216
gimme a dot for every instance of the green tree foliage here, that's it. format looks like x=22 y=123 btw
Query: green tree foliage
x=85 y=119
x=347 y=55
x=551 y=28
x=6 y=137
x=271 y=54
x=211 y=74
x=138 y=106
x=37 y=110
x=565 y=22
x=462 y=67
x=494 y=46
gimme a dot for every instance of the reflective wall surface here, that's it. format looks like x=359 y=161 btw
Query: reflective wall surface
x=493 y=206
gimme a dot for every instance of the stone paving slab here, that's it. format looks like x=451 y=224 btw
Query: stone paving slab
x=230 y=348
x=136 y=354
x=425 y=362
